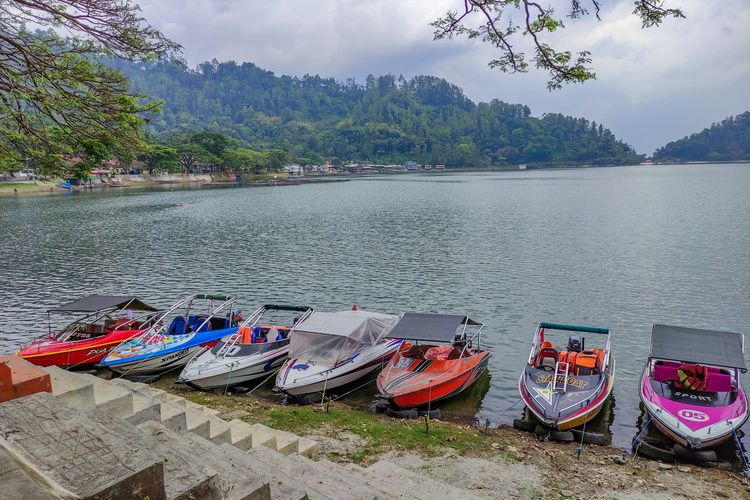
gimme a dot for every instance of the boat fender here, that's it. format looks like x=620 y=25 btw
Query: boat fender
x=380 y=406
x=541 y=431
x=524 y=425
x=433 y=414
x=648 y=450
x=411 y=413
x=696 y=455
x=562 y=436
x=598 y=438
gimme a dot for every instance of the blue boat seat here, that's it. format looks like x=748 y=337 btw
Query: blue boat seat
x=257 y=337
x=201 y=325
x=177 y=327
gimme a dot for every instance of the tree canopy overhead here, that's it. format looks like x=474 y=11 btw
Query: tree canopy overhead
x=55 y=98
x=497 y=22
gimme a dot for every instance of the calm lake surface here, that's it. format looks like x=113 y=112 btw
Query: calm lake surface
x=617 y=247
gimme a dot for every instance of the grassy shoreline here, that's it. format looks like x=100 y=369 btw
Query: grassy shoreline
x=517 y=460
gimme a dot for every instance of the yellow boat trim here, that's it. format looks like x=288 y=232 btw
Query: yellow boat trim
x=589 y=415
x=72 y=350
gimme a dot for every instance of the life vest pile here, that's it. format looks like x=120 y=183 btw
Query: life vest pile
x=693 y=377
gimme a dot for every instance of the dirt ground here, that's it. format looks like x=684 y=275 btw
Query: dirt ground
x=498 y=463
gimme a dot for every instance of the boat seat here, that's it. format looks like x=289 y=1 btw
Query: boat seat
x=664 y=373
x=201 y=325
x=416 y=351
x=438 y=353
x=548 y=355
x=177 y=327
x=455 y=353
x=719 y=382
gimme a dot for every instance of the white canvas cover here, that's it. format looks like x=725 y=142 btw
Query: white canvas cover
x=329 y=337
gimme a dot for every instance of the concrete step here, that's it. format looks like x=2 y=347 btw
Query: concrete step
x=70 y=388
x=359 y=484
x=144 y=409
x=410 y=484
x=16 y=481
x=233 y=479
x=79 y=454
x=113 y=398
x=307 y=474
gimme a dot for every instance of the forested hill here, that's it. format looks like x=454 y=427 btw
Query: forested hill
x=725 y=141
x=388 y=119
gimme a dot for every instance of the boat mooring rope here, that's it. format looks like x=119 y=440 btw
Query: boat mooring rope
x=265 y=380
x=510 y=407
x=637 y=439
x=579 y=450
x=741 y=449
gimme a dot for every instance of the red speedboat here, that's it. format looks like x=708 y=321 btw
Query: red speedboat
x=103 y=323
x=443 y=366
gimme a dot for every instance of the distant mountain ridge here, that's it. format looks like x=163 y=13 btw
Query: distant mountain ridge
x=388 y=119
x=728 y=140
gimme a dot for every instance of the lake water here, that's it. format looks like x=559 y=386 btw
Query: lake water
x=617 y=247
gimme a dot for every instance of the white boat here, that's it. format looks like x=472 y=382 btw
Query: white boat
x=332 y=349
x=253 y=352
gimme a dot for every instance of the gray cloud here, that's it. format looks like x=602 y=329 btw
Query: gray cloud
x=652 y=85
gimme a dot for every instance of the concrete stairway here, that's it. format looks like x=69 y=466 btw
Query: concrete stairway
x=208 y=457
x=137 y=403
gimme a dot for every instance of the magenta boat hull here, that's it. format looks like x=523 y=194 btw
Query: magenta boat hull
x=694 y=425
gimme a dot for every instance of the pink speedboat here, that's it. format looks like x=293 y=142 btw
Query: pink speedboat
x=691 y=384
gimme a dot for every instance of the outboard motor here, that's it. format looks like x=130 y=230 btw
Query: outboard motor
x=575 y=344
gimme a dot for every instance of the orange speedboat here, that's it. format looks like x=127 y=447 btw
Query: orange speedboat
x=446 y=363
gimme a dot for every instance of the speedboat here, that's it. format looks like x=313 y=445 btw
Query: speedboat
x=331 y=349
x=102 y=323
x=566 y=386
x=176 y=336
x=691 y=384
x=425 y=373
x=254 y=351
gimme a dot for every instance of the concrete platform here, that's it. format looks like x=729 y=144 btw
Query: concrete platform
x=78 y=455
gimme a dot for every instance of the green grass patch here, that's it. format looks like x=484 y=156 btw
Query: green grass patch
x=378 y=433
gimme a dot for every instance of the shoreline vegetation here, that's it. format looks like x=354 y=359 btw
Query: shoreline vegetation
x=492 y=462
x=146 y=181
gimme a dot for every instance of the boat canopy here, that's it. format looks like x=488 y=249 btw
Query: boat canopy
x=329 y=337
x=96 y=303
x=429 y=327
x=573 y=328
x=694 y=345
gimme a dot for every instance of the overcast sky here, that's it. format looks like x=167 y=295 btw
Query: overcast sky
x=652 y=85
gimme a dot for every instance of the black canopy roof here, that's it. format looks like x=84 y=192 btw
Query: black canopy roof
x=94 y=303
x=693 y=345
x=429 y=327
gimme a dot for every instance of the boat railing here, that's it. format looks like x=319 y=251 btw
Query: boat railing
x=477 y=335
x=251 y=322
x=558 y=368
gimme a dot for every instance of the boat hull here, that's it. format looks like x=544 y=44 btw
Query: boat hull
x=164 y=353
x=75 y=354
x=410 y=383
x=560 y=413
x=695 y=426
x=298 y=377
x=210 y=370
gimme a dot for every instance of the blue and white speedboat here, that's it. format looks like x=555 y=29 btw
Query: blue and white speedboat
x=176 y=336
